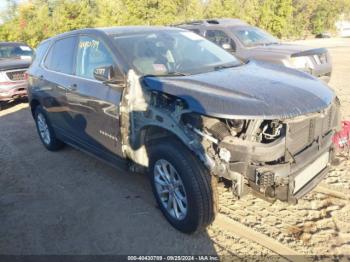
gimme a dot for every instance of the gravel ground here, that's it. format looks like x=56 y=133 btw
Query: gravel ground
x=70 y=203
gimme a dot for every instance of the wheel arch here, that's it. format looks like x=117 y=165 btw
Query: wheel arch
x=34 y=103
x=136 y=146
x=152 y=132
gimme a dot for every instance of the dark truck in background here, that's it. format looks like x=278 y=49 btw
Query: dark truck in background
x=15 y=59
x=249 y=42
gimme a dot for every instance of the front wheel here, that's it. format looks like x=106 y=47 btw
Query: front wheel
x=184 y=189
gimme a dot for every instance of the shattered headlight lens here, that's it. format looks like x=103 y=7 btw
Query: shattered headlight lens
x=300 y=62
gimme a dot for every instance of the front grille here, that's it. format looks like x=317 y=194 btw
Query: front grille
x=320 y=59
x=16 y=75
x=303 y=133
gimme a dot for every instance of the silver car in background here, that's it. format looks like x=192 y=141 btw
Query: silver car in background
x=15 y=59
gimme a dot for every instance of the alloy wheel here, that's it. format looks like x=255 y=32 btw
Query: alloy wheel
x=170 y=189
x=43 y=129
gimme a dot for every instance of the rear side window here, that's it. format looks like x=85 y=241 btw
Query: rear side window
x=92 y=53
x=39 y=53
x=61 y=56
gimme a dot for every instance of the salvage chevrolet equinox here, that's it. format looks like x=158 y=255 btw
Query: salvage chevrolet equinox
x=168 y=102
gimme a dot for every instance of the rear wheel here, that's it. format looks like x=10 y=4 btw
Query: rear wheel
x=183 y=187
x=45 y=131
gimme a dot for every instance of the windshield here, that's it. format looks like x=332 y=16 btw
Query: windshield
x=15 y=51
x=252 y=36
x=172 y=53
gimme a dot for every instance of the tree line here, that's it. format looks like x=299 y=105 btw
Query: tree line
x=35 y=20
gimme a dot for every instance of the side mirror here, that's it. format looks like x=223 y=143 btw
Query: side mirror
x=229 y=47
x=108 y=75
x=226 y=46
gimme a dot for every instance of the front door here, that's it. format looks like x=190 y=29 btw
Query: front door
x=93 y=105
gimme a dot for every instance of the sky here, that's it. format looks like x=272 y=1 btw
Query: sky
x=3 y=4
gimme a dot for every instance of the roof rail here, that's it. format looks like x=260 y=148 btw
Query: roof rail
x=191 y=22
x=213 y=21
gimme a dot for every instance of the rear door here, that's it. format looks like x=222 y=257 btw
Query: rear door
x=56 y=78
x=93 y=105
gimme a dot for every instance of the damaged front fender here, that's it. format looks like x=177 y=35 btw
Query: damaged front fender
x=143 y=118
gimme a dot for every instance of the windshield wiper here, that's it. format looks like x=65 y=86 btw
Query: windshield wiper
x=218 y=67
x=175 y=73
x=167 y=74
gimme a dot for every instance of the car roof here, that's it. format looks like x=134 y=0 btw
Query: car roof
x=134 y=29
x=115 y=30
x=223 y=22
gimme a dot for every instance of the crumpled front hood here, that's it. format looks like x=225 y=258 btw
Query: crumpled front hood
x=253 y=90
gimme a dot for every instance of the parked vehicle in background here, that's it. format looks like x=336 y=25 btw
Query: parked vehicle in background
x=345 y=32
x=169 y=102
x=249 y=42
x=323 y=35
x=343 y=28
x=10 y=50
x=15 y=59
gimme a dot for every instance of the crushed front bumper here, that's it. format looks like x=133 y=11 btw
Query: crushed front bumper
x=291 y=180
x=302 y=179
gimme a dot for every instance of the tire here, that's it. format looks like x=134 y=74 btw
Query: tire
x=196 y=198
x=45 y=130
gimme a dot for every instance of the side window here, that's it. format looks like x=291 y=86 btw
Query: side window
x=219 y=37
x=92 y=53
x=61 y=56
x=39 y=53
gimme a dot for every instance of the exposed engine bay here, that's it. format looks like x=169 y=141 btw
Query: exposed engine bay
x=276 y=159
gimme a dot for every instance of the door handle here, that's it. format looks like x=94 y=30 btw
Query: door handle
x=72 y=87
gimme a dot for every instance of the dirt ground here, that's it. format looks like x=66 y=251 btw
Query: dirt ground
x=70 y=203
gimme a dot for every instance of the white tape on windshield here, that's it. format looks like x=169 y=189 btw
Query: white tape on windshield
x=192 y=36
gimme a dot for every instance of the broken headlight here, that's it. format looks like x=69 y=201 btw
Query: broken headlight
x=271 y=130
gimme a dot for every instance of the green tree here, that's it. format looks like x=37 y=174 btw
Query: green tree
x=109 y=13
x=35 y=20
x=222 y=8
x=276 y=16
x=71 y=14
x=326 y=14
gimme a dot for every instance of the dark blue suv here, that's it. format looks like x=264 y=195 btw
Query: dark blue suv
x=172 y=104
